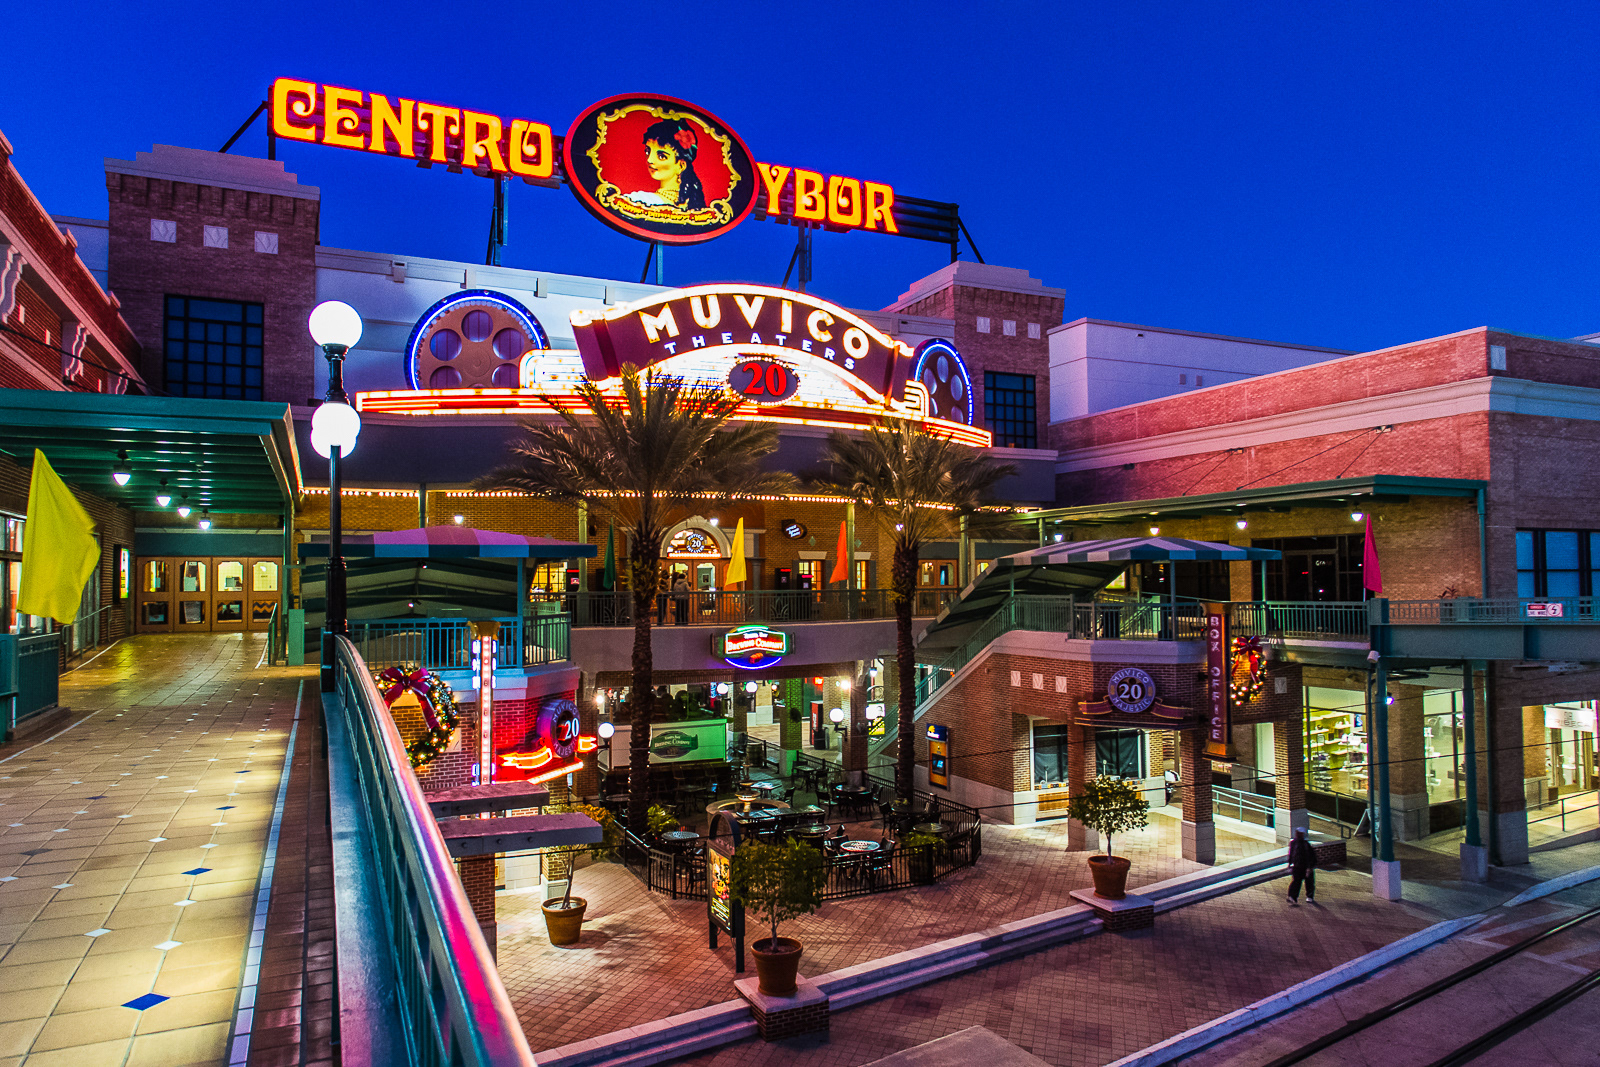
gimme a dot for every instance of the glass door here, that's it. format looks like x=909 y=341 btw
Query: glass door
x=228 y=599
x=263 y=592
x=193 y=597
x=154 y=588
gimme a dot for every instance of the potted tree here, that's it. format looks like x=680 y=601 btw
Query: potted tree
x=1109 y=806
x=924 y=850
x=776 y=883
x=563 y=916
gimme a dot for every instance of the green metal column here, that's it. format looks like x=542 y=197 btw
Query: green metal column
x=851 y=599
x=1469 y=684
x=1383 y=824
x=964 y=564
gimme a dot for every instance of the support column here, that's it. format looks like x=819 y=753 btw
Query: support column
x=1508 y=797
x=1194 y=770
x=854 y=756
x=791 y=730
x=1385 y=868
x=1080 y=769
x=1288 y=755
x=1408 y=776
x=477 y=878
x=1474 y=855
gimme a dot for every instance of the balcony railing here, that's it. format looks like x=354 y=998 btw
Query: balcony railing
x=700 y=608
x=1582 y=610
x=446 y=644
x=1306 y=620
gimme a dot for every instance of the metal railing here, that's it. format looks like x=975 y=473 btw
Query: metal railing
x=30 y=677
x=698 y=608
x=82 y=634
x=1562 y=810
x=1583 y=610
x=450 y=997
x=1306 y=619
x=434 y=644
x=1240 y=804
x=546 y=638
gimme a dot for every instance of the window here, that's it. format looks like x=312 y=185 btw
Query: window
x=983 y=324
x=1008 y=403
x=1557 y=562
x=1199 y=380
x=1119 y=753
x=1183 y=379
x=1033 y=331
x=1008 y=327
x=1050 y=754
x=213 y=348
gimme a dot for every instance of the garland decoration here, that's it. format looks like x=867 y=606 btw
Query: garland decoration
x=1247 y=651
x=438 y=708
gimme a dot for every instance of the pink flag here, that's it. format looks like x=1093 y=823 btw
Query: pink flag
x=841 y=564
x=1371 y=572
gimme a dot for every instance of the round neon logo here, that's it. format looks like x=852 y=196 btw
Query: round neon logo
x=472 y=340
x=659 y=169
x=1131 y=691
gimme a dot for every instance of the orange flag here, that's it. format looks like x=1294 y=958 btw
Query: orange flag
x=841 y=566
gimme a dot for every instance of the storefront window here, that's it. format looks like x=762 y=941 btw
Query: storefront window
x=937 y=572
x=1569 y=750
x=1050 y=755
x=1120 y=753
x=1443 y=744
x=1335 y=740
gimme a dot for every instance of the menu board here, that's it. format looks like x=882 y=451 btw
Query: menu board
x=717 y=873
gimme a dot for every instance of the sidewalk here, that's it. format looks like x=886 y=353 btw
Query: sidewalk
x=131 y=845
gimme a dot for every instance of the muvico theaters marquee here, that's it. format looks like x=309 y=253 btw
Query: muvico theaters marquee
x=665 y=172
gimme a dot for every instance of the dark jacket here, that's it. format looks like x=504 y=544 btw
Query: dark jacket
x=1301 y=855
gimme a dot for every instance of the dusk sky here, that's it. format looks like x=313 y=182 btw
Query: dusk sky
x=1353 y=175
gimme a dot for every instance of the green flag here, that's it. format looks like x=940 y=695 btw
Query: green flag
x=60 y=553
x=608 y=578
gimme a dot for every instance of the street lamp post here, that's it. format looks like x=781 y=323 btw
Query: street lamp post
x=336 y=327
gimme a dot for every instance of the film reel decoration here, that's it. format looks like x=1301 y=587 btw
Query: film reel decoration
x=472 y=340
x=943 y=373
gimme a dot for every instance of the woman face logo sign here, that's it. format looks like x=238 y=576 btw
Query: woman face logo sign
x=659 y=169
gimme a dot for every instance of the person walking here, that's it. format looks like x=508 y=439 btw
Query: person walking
x=1302 y=868
x=680 y=600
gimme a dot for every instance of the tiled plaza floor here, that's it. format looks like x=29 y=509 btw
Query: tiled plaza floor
x=130 y=850
x=644 y=956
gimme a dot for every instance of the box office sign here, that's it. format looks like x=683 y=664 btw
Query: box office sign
x=1219 y=705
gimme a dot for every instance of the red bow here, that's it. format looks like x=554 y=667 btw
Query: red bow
x=397 y=683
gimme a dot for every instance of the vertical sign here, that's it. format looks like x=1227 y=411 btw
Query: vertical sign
x=722 y=911
x=939 y=756
x=1219 y=719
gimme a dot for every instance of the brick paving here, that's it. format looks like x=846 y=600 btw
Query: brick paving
x=644 y=956
x=1095 y=1000
x=130 y=850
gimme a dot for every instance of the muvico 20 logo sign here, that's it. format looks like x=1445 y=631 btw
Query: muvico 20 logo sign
x=653 y=167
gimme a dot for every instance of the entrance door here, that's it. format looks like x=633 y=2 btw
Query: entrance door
x=228 y=598
x=1311 y=576
x=193 y=595
x=1120 y=753
x=263 y=592
x=153 y=592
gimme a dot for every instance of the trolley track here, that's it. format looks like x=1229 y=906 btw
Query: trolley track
x=1478 y=1046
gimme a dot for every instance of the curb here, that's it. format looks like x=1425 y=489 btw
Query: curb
x=1554 y=885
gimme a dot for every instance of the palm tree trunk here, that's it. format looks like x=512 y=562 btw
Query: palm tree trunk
x=904 y=578
x=642 y=694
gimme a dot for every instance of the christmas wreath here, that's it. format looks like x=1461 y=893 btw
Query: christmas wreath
x=438 y=708
x=1247 y=651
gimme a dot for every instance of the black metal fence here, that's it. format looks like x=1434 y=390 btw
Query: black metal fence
x=715 y=608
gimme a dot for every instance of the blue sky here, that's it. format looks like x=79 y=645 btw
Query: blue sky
x=1351 y=175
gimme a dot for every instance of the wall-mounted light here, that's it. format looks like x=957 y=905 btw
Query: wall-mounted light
x=458 y=519
x=1155 y=531
x=715 y=521
x=1357 y=516
x=121 y=473
x=1241 y=524
x=1059 y=538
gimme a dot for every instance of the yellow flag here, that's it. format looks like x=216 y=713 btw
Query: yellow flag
x=735 y=574
x=58 y=550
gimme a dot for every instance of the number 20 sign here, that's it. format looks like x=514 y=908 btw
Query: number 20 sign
x=763 y=381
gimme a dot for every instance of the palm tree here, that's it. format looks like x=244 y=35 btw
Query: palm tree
x=665 y=451
x=918 y=487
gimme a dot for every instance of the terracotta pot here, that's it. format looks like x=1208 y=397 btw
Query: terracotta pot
x=564 y=924
x=1110 y=876
x=777 y=965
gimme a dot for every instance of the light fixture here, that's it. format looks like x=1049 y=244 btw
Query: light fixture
x=163 y=498
x=837 y=715
x=459 y=519
x=1058 y=539
x=1241 y=524
x=1357 y=516
x=1155 y=531
x=750 y=687
x=722 y=688
x=205 y=519
x=183 y=508
x=715 y=521
x=121 y=473
x=844 y=683
x=333 y=322
x=606 y=730
x=334 y=423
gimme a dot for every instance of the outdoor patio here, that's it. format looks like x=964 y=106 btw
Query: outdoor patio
x=644 y=956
